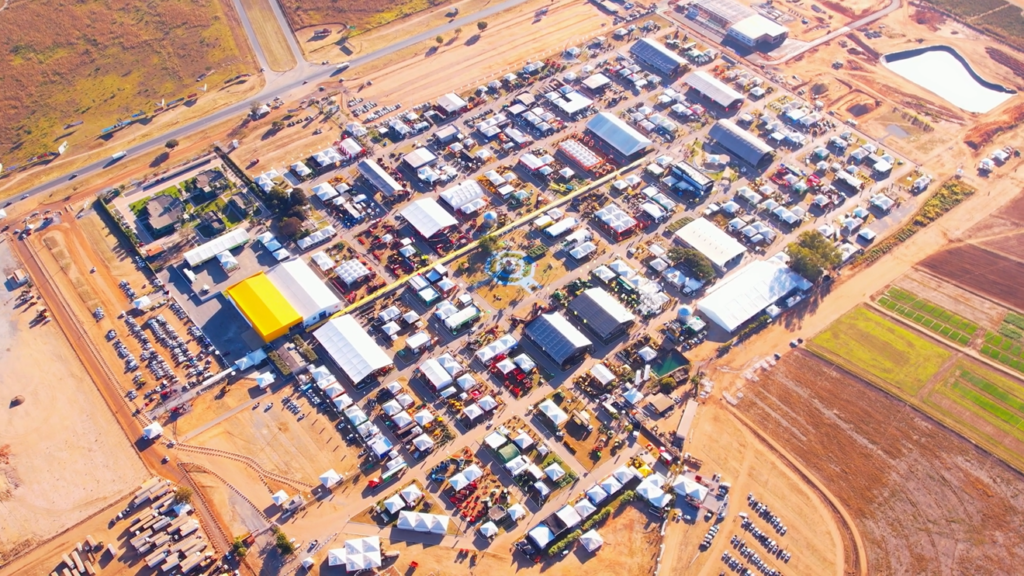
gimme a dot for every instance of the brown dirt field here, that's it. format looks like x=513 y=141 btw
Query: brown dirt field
x=728 y=448
x=1011 y=246
x=981 y=271
x=951 y=297
x=99 y=61
x=278 y=442
x=926 y=501
x=473 y=57
x=69 y=458
x=270 y=35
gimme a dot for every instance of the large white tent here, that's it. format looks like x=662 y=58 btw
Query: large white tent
x=462 y=193
x=690 y=489
x=353 y=350
x=711 y=241
x=435 y=374
x=417 y=522
x=499 y=346
x=304 y=290
x=362 y=554
x=745 y=294
x=204 y=252
x=351 y=271
x=428 y=217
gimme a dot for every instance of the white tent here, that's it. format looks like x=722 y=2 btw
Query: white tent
x=143 y=303
x=602 y=373
x=435 y=374
x=523 y=441
x=541 y=488
x=584 y=508
x=152 y=431
x=458 y=481
x=402 y=419
x=362 y=554
x=428 y=217
x=391 y=407
x=264 y=379
x=633 y=396
x=394 y=504
x=356 y=415
x=487 y=403
x=324 y=191
x=423 y=417
x=499 y=346
x=488 y=529
x=690 y=489
x=280 y=497
x=554 y=471
x=319 y=373
x=307 y=562
x=553 y=412
x=334 y=390
x=330 y=478
x=411 y=494
x=610 y=485
x=517 y=465
x=355 y=351
x=597 y=494
x=432 y=523
x=351 y=271
x=541 y=535
x=591 y=540
x=405 y=400
x=624 y=474
x=472 y=472
x=517 y=512
x=647 y=353
x=472 y=412
x=336 y=557
x=342 y=402
x=569 y=516
x=423 y=442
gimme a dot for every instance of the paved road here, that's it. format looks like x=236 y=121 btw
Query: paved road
x=277 y=85
x=257 y=48
x=286 y=29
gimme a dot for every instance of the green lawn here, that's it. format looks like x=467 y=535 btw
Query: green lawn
x=874 y=347
x=139 y=205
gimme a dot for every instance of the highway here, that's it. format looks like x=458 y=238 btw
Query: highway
x=893 y=5
x=277 y=85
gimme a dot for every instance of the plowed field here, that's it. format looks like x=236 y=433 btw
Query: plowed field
x=926 y=501
x=982 y=272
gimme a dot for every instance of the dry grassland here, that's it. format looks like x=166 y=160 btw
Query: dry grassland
x=362 y=14
x=269 y=34
x=102 y=60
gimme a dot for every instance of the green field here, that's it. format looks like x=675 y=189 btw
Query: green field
x=872 y=346
x=986 y=407
x=928 y=315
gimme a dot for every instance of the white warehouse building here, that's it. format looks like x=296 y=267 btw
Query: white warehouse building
x=750 y=291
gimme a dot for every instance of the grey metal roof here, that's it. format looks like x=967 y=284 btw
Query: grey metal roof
x=618 y=134
x=380 y=179
x=713 y=88
x=557 y=336
x=657 y=55
x=601 y=312
x=727 y=10
x=743 y=144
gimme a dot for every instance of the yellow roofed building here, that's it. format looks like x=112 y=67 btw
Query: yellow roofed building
x=264 y=306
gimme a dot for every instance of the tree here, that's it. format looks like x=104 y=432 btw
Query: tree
x=277 y=124
x=254 y=108
x=277 y=199
x=239 y=548
x=694 y=261
x=812 y=254
x=290 y=227
x=439 y=39
x=489 y=244
x=172 y=143
x=298 y=198
x=283 y=544
x=481 y=25
x=458 y=31
x=183 y=495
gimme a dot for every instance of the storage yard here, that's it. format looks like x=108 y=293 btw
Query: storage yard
x=522 y=297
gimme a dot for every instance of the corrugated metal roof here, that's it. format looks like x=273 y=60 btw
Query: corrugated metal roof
x=601 y=312
x=657 y=55
x=618 y=134
x=738 y=141
x=378 y=177
x=557 y=336
x=713 y=88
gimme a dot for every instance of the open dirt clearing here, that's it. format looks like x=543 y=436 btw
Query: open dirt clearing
x=926 y=501
x=68 y=455
x=471 y=58
x=814 y=536
x=269 y=34
x=983 y=272
x=99 y=61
